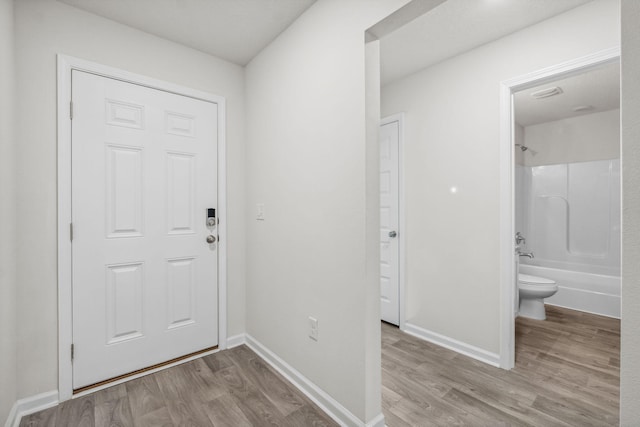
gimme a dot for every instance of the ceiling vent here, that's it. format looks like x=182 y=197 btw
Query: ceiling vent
x=546 y=93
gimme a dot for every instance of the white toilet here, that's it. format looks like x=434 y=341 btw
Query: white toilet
x=533 y=290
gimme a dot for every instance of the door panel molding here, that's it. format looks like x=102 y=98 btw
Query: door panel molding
x=65 y=327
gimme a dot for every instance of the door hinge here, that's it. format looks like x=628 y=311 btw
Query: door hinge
x=73 y=351
x=71 y=110
x=71 y=231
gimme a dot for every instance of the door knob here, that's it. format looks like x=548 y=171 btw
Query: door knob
x=211 y=239
x=392 y=234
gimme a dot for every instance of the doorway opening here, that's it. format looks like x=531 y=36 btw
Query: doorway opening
x=556 y=208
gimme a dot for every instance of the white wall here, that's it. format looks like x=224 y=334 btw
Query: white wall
x=452 y=140
x=314 y=254
x=578 y=139
x=630 y=107
x=7 y=215
x=43 y=29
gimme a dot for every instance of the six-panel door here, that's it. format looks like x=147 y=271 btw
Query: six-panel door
x=144 y=173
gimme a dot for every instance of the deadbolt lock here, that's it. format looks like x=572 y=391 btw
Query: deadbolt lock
x=211 y=217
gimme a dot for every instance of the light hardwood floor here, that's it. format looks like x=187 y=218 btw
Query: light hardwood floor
x=229 y=388
x=566 y=374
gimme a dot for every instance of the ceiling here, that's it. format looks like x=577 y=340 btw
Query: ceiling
x=234 y=30
x=598 y=88
x=457 y=26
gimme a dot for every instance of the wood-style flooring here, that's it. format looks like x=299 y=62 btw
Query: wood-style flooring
x=567 y=373
x=230 y=388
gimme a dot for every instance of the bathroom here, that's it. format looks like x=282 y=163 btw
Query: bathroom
x=567 y=192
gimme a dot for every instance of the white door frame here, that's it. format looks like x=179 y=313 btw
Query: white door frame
x=507 y=183
x=65 y=325
x=399 y=117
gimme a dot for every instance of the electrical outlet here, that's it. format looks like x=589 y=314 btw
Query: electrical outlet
x=313 y=328
x=260 y=211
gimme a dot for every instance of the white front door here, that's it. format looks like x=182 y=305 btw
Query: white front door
x=144 y=174
x=389 y=220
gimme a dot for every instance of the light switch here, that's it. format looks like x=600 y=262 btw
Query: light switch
x=313 y=328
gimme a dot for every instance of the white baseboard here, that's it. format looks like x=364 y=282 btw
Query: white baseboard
x=328 y=404
x=30 y=405
x=236 y=340
x=477 y=353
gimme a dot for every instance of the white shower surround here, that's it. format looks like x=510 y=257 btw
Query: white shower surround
x=570 y=214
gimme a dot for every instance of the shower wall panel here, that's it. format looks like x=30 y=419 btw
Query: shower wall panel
x=570 y=214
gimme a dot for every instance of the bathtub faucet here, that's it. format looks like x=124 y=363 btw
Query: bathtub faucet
x=527 y=254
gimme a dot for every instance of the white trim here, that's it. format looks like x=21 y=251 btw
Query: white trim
x=399 y=117
x=222 y=225
x=507 y=231
x=236 y=340
x=455 y=345
x=328 y=404
x=65 y=306
x=507 y=221
x=65 y=321
x=563 y=70
x=30 y=405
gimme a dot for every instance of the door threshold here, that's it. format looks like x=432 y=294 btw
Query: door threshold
x=143 y=371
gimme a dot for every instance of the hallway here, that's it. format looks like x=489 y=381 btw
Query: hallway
x=566 y=374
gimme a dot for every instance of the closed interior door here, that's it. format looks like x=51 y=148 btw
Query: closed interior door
x=144 y=174
x=389 y=218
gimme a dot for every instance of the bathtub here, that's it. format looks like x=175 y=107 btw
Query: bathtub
x=593 y=293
